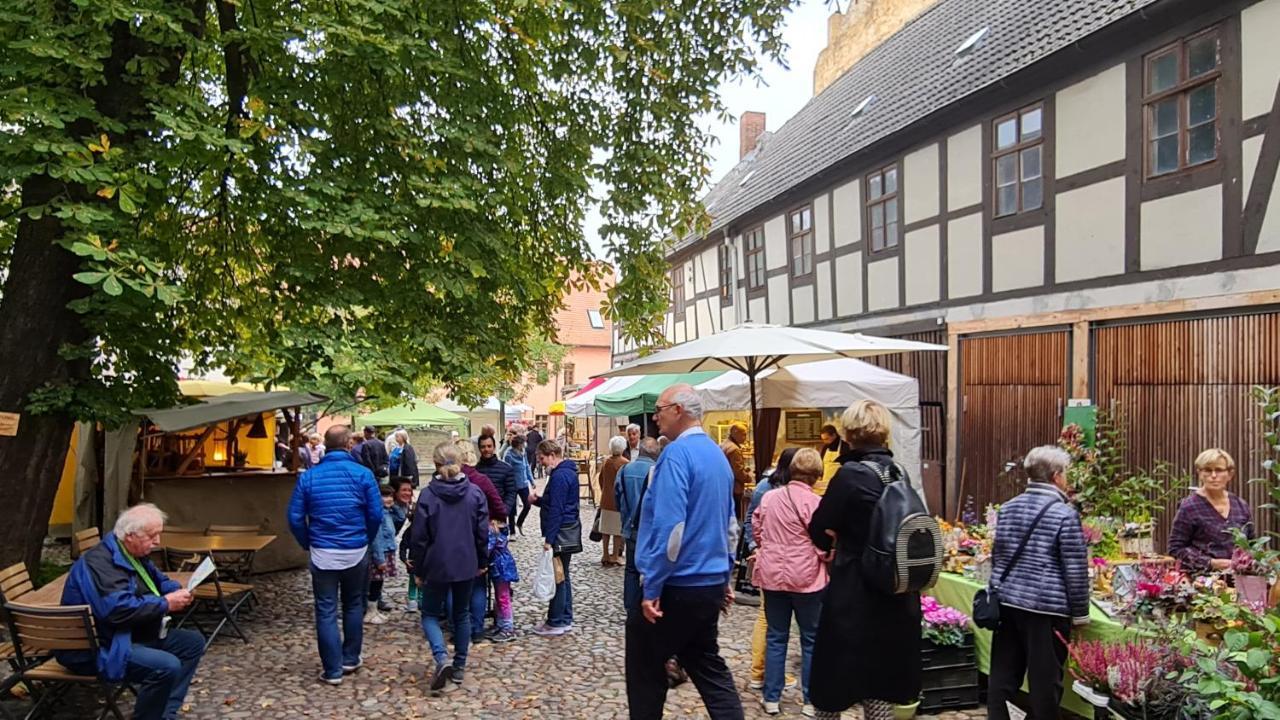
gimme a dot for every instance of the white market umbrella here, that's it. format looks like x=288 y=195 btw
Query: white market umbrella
x=753 y=348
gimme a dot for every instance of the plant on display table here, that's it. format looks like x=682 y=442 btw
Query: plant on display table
x=941 y=625
x=1104 y=484
x=1133 y=679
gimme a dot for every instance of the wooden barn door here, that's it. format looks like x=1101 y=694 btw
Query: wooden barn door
x=930 y=369
x=1012 y=393
x=1183 y=385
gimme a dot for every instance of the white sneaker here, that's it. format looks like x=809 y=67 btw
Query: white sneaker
x=330 y=681
x=809 y=710
x=771 y=708
x=756 y=685
x=375 y=618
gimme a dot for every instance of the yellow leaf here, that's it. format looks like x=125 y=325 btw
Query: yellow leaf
x=107 y=192
x=102 y=145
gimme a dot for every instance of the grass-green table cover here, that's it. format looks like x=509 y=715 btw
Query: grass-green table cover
x=956 y=591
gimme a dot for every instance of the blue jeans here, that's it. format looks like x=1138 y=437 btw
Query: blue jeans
x=340 y=648
x=479 y=602
x=560 y=612
x=631 y=595
x=434 y=597
x=161 y=671
x=778 y=608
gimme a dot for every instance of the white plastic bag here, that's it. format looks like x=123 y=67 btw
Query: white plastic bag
x=544 y=582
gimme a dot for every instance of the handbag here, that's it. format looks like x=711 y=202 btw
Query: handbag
x=569 y=538
x=596 y=535
x=986 y=602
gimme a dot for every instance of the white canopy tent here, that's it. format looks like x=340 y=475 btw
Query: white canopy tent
x=583 y=404
x=829 y=385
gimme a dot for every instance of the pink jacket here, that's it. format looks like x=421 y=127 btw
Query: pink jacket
x=787 y=560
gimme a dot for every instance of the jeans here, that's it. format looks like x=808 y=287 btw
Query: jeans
x=340 y=648
x=375 y=591
x=434 y=596
x=1027 y=645
x=689 y=629
x=161 y=671
x=778 y=608
x=479 y=603
x=560 y=612
x=631 y=595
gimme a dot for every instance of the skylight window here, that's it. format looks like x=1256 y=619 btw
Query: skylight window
x=973 y=41
x=596 y=321
x=745 y=178
x=862 y=106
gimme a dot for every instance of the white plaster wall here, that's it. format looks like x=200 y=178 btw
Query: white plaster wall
x=1090 y=122
x=964 y=168
x=1017 y=259
x=757 y=307
x=707 y=271
x=775 y=243
x=919 y=182
x=1260 y=56
x=1269 y=240
x=1252 y=149
x=825 y=311
x=923 y=256
x=821 y=224
x=1090 y=231
x=848 y=213
x=779 y=301
x=849 y=284
x=802 y=305
x=1182 y=229
x=964 y=256
x=729 y=315
x=679 y=335
x=882 y=284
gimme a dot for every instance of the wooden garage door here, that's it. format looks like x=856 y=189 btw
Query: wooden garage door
x=1184 y=385
x=1013 y=389
x=930 y=369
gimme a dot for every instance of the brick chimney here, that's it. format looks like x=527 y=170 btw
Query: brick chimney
x=750 y=128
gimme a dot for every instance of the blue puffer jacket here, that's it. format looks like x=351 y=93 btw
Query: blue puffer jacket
x=336 y=504
x=1052 y=576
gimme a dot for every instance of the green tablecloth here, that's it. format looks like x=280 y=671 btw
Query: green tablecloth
x=957 y=591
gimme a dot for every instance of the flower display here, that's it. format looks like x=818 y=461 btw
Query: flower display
x=942 y=625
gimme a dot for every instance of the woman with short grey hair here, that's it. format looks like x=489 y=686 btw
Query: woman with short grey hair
x=1043 y=594
x=610 y=521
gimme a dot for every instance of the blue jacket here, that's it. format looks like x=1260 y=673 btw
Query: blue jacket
x=524 y=476
x=762 y=487
x=503 y=477
x=385 y=541
x=449 y=537
x=336 y=504
x=1052 y=576
x=123 y=607
x=559 y=501
x=687 y=526
x=627 y=491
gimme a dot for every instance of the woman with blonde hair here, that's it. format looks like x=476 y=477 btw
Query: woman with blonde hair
x=790 y=571
x=1202 y=537
x=609 y=518
x=867 y=648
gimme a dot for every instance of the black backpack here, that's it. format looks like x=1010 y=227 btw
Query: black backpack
x=904 y=544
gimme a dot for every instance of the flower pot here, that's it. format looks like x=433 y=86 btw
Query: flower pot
x=905 y=712
x=1140 y=546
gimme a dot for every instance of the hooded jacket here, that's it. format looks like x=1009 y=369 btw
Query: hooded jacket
x=335 y=505
x=449 y=537
x=123 y=607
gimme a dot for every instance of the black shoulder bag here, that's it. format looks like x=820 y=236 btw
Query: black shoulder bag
x=986 y=602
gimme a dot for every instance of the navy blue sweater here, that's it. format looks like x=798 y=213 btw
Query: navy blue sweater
x=559 y=501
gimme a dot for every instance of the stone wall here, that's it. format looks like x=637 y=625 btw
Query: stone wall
x=853 y=33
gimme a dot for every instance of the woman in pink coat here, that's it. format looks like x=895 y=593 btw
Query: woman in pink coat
x=791 y=572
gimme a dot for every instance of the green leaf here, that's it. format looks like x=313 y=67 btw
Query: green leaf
x=89 y=278
x=127 y=200
x=111 y=286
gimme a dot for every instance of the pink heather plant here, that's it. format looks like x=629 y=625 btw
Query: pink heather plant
x=940 y=624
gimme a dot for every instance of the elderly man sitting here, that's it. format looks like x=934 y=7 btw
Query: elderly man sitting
x=131 y=601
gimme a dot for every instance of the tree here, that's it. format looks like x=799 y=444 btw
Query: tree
x=364 y=193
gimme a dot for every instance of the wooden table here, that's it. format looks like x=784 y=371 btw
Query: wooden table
x=204 y=544
x=51 y=593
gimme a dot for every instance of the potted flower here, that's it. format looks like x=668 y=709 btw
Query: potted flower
x=950 y=667
x=1131 y=679
x=942 y=626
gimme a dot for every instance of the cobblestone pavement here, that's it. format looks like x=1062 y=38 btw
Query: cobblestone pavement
x=579 y=675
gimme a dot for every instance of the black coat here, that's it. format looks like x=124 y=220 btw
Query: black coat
x=868 y=643
x=409 y=464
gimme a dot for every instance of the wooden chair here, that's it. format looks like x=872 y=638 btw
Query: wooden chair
x=84 y=540
x=176 y=560
x=14 y=584
x=37 y=632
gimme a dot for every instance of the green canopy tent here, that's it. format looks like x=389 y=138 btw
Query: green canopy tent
x=641 y=397
x=413 y=414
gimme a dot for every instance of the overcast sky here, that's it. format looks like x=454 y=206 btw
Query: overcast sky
x=783 y=93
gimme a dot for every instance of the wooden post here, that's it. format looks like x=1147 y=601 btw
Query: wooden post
x=1080 y=359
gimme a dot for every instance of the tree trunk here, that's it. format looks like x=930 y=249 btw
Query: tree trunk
x=34 y=323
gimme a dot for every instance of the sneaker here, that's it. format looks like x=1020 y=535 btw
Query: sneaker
x=551 y=630
x=504 y=636
x=456 y=674
x=329 y=680
x=809 y=710
x=411 y=607
x=441 y=677
x=348 y=669
x=375 y=618
x=771 y=708
x=756 y=685
x=383 y=606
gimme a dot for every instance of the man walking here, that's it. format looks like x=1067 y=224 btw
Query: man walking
x=684 y=556
x=531 y=443
x=334 y=514
x=374 y=455
x=629 y=490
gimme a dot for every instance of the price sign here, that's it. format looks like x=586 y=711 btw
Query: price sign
x=804 y=426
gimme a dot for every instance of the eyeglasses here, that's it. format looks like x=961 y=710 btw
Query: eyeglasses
x=659 y=408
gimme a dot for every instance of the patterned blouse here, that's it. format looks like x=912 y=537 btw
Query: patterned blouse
x=1200 y=533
